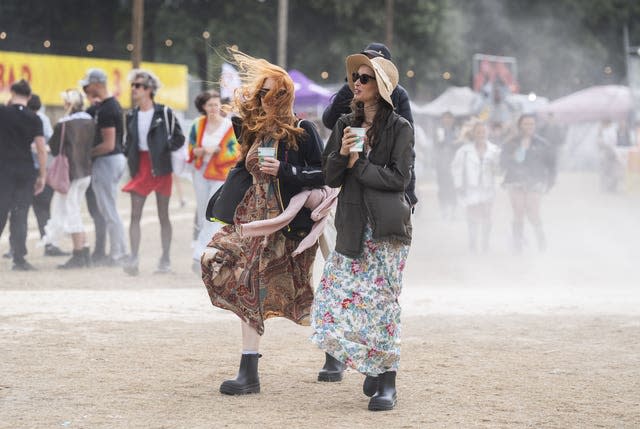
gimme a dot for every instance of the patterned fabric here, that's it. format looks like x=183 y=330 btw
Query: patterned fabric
x=256 y=277
x=219 y=165
x=356 y=314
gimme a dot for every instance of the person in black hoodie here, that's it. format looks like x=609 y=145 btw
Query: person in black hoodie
x=257 y=277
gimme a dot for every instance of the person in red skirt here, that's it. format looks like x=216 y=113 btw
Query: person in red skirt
x=152 y=134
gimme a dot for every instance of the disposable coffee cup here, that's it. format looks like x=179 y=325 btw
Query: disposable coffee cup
x=266 y=152
x=360 y=132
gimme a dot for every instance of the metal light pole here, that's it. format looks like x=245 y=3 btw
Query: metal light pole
x=283 y=26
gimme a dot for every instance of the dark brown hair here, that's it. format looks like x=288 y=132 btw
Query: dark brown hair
x=379 y=120
x=202 y=99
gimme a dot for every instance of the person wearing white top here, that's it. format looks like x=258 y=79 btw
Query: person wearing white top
x=475 y=168
x=205 y=142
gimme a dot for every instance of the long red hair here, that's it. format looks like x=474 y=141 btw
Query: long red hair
x=280 y=123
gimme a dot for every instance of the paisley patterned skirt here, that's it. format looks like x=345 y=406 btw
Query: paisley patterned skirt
x=356 y=314
x=256 y=277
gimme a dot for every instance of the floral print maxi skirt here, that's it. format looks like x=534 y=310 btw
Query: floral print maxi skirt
x=356 y=314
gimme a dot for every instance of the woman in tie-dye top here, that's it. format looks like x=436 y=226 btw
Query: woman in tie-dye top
x=213 y=151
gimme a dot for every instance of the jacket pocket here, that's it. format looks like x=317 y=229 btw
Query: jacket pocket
x=388 y=212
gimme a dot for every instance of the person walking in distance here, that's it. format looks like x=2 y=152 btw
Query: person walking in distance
x=19 y=127
x=529 y=162
x=108 y=163
x=475 y=169
x=213 y=150
x=152 y=134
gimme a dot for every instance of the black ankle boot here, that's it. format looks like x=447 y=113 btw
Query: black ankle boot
x=370 y=385
x=385 y=397
x=332 y=370
x=247 y=380
x=86 y=256
x=77 y=261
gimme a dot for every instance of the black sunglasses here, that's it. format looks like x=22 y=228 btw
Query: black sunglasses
x=364 y=78
x=138 y=85
x=262 y=92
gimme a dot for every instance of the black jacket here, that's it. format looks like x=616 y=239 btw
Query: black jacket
x=299 y=169
x=160 y=143
x=386 y=169
x=341 y=105
x=538 y=167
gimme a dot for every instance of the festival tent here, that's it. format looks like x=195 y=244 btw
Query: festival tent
x=309 y=95
x=458 y=100
x=597 y=103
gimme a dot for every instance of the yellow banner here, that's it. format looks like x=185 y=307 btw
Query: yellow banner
x=49 y=75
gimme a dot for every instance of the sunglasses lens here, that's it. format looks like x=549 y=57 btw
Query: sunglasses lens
x=364 y=78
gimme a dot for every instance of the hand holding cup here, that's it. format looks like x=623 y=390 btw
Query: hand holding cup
x=352 y=140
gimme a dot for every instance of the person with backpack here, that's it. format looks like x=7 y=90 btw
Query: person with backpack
x=152 y=134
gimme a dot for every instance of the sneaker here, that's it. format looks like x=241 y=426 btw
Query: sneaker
x=51 y=250
x=23 y=266
x=164 y=267
x=120 y=261
x=8 y=255
x=100 y=260
x=78 y=260
x=130 y=266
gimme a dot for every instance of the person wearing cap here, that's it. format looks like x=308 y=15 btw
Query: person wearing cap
x=74 y=134
x=19 y=127
x=356 y=315
x=341 y=102
x=107 y=167
x=152 y=134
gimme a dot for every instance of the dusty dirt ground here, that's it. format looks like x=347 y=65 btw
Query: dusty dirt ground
x=493 y=340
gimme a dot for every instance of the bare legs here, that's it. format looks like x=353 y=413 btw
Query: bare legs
x=479 y=221
x=250 y=338
x=526 y=204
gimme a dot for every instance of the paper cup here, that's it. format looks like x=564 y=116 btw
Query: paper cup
x=266 y=152
x=360 y=132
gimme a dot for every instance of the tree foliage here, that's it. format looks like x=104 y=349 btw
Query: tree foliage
x=560 y=45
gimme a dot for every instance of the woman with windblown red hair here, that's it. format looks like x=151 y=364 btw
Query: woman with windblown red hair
x=258 y=277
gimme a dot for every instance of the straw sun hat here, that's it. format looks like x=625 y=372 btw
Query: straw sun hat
x=385 y=71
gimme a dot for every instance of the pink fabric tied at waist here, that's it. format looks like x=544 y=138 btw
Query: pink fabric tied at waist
x=320 y=201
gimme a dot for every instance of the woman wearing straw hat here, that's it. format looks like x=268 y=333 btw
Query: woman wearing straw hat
x=356 y=315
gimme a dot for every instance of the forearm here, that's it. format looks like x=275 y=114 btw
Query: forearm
x=41 y=151
x=101 y=149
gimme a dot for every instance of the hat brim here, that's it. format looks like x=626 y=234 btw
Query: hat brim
x=353 y=64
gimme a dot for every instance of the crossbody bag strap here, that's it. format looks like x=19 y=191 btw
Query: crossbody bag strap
x=61 y=151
